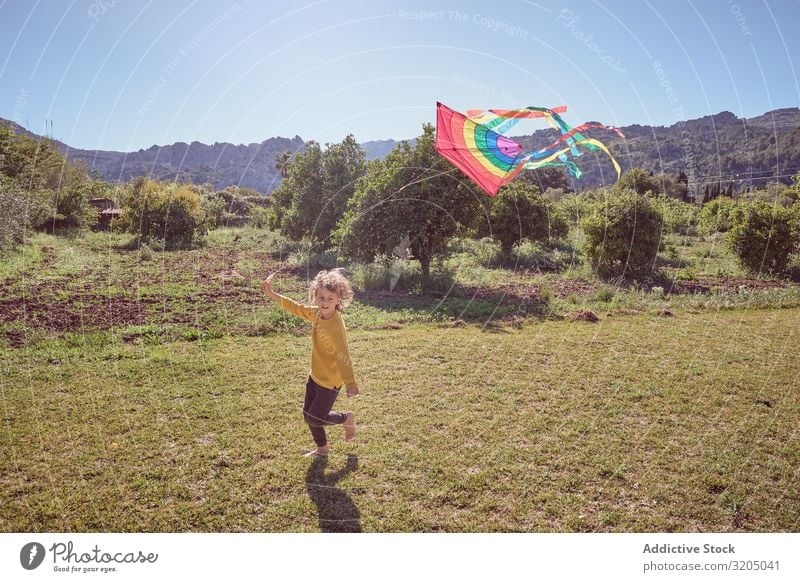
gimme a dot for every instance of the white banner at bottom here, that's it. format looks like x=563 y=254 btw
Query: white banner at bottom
x=371 y=557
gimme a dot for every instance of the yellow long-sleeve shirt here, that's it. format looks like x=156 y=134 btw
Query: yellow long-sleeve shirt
x=331 y=365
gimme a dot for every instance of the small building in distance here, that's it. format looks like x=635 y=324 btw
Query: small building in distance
x=107 y=210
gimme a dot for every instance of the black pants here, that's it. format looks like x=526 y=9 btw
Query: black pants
x=317 y=410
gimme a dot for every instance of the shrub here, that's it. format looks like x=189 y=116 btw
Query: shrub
x=70 y=208
x=763 y=237
x=638 y=180
x=259 y=217
x=623 y=234
x=229 y=207
x=604 y=294
x=679 y=217
x=166 y=212
x=574 y=207
x=19 y=212
x=519 y=212
x=718 y=215
x=533 y=255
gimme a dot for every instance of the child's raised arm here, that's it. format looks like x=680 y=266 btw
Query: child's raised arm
x=286 y=303
x=266 y=287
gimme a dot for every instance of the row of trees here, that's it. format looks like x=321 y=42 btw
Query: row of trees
x=42 y=190
x=625 y=231
x=413 y=199
x=333 y=198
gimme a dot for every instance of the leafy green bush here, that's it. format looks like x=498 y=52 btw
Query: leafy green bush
x=311 y=258
x=604 y=294
x=535 y=256
x=623 y=234
x=574 y=207
x=679 y=217
x=763 y=237
x=638 y=180
x=70 y=208
x=520 y=212
x=55 y=191
x=231 y=206
x=19 y=212
x=718 y=215
x=259 y=217
x=167 y=212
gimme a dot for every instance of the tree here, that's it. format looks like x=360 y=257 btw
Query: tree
x=794 y=191
x=313 y=197
x=763 y=236
x=282 y=195
x=712 y=192
x=36 y=164
x=414 y=196
x=718 y=215
x=623 y=234
x=682 y=181
x=639 y=180
x=303 y=191
x=58 y=188
x=282 y=163
x=519 y=211
x=671 y=186
x=547 y=177
x=343 y=164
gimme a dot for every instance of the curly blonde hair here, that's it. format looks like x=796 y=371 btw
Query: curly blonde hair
x=335 y=281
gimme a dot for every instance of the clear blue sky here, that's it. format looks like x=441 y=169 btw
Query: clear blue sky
x=127 y=74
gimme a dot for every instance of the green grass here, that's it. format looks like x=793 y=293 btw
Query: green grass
x=151 y=391
x=633 y=424
x=99 y=281
x=706 y=256
x=21 y=260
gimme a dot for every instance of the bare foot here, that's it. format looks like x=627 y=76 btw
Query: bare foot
x=349 y=426
x=318 y=452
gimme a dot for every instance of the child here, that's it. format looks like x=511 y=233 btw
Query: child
x=331 y=366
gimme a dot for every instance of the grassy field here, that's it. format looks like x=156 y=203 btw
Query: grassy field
x=163 y=393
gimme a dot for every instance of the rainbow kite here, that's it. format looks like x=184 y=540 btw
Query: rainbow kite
x=475 y=144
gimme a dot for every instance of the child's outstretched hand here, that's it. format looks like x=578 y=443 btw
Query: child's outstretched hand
x=266 y=284
x=352 y=391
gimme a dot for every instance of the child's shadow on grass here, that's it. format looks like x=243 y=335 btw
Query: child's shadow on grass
x=336 y=511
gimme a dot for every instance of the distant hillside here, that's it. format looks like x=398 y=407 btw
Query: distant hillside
x=381 y=148
x=220 y=164
x=716 y=148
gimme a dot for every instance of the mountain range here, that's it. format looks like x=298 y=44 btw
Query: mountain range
x=715 y=149
x=720 y=148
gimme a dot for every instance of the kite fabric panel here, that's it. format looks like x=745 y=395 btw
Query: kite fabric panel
x=475 y=143
x=487 y=157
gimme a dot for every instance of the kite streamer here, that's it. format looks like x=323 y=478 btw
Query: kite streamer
x=475 y=143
